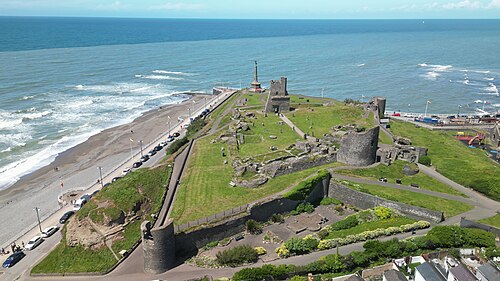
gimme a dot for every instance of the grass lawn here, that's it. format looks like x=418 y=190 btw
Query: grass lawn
x=205 y=189
x=449 y=207
x=467 y=166
x=258 y=136
x=299 y=99
x=384 y=138
x=395 y=171
x=65 y=259
x=318 y=121
x=396 y=221
x=254 y=99
x=493 y=221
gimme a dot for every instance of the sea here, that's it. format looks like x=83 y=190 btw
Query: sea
x=63 y=80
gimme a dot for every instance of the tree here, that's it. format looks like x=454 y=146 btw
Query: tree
x=253 y=227
x=237 y=256
x=425 y=160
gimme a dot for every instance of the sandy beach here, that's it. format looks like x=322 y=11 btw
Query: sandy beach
x=77 y=167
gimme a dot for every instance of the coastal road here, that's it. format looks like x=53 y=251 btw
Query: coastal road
x=21 y=270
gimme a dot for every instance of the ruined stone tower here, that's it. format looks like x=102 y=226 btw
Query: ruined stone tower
x=158 y=244
x=359 y=149
x=278 y=99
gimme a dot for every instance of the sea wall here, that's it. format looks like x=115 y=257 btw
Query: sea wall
x=366 y=201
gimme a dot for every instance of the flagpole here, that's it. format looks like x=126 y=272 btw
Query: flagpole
x=426 y=105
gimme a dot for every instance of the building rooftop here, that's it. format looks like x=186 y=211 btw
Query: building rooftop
x=489 y=271
x=355 y=277
x=394 y=275
x=461 y=273
x=430 y=273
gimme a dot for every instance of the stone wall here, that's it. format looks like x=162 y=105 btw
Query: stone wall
x=158 y=246
x=278 y=99
x=366 y=201
x=359 y=149
x=188 y=243
x=293 y=165
x=278 y=87
x=474 y=224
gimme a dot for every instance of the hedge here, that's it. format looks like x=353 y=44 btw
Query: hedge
x=176 y=145
x=303 y=189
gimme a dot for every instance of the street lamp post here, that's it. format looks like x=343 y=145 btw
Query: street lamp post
x=458 y=114
x=36 y=209
x=205 y=99
x=189 y=113
x=140 y=141
x=426 y=106
x=100 y=176
x=409 y=108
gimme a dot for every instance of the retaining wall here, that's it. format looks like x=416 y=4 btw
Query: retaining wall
x=366 y=201
x=474 y=224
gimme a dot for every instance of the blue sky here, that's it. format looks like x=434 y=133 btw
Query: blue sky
x=270 y=9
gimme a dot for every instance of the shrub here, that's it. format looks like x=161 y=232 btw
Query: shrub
x=282 y=251
x=301 y=246
x=425 y=160
x=298 y=278
x=382 y=212
x=195 y=126
x=237 y=256
x=176 y=145
x=253 y=227
x=277 y=218
x=304 y=208
x=330 y=201
x=349 y=222
x=260 y=250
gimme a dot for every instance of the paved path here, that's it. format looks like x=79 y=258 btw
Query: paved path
x=291 y=125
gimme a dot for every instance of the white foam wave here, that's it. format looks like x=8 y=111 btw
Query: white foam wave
x=159 y=77
x=8 y=149
x=483 y=71
x=422 y=64
x=9 y=123
x=492 y=88
x=489 y=78
x=35 y=115
x=27 y=97
x=432 y=75
x=466 y=81
x=361 y=65
x=12 y=172
x=171 y=72
x=496 y=105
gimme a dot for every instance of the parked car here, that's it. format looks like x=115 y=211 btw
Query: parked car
x=176 y=134
x=115 y=179
x=144 y=158
x=95 y=192
x=126 y=171
x=151 y=152
x=33 y=243
x=13 y=259
x=49 y=231
x=66 y=216
x=79 y=204
x=106 y=184
x=137 y=164
x=158 y=147
x=170 y=139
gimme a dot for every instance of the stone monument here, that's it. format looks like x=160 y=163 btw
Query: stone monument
x=255 y=85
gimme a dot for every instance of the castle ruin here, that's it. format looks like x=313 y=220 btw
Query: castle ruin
x=278 y=99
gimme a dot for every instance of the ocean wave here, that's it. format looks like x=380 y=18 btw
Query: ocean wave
x=8 y=149
x=436 y=67
x=482 y=71
x=489 y=78
x=159 y=77
x=11 y=173
x=422 y=64
x=10 y=123
x=360 y=65
x=35 y=115
x=27 y=97
x=171 y=72
x=432 y=75
x=492 y=88
x=496 y=105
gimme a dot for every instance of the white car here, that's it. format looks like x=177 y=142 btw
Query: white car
x=33 y=243
x=49 y=231
x=126 y=171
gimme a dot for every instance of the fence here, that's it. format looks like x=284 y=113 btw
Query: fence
x=212 y=218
